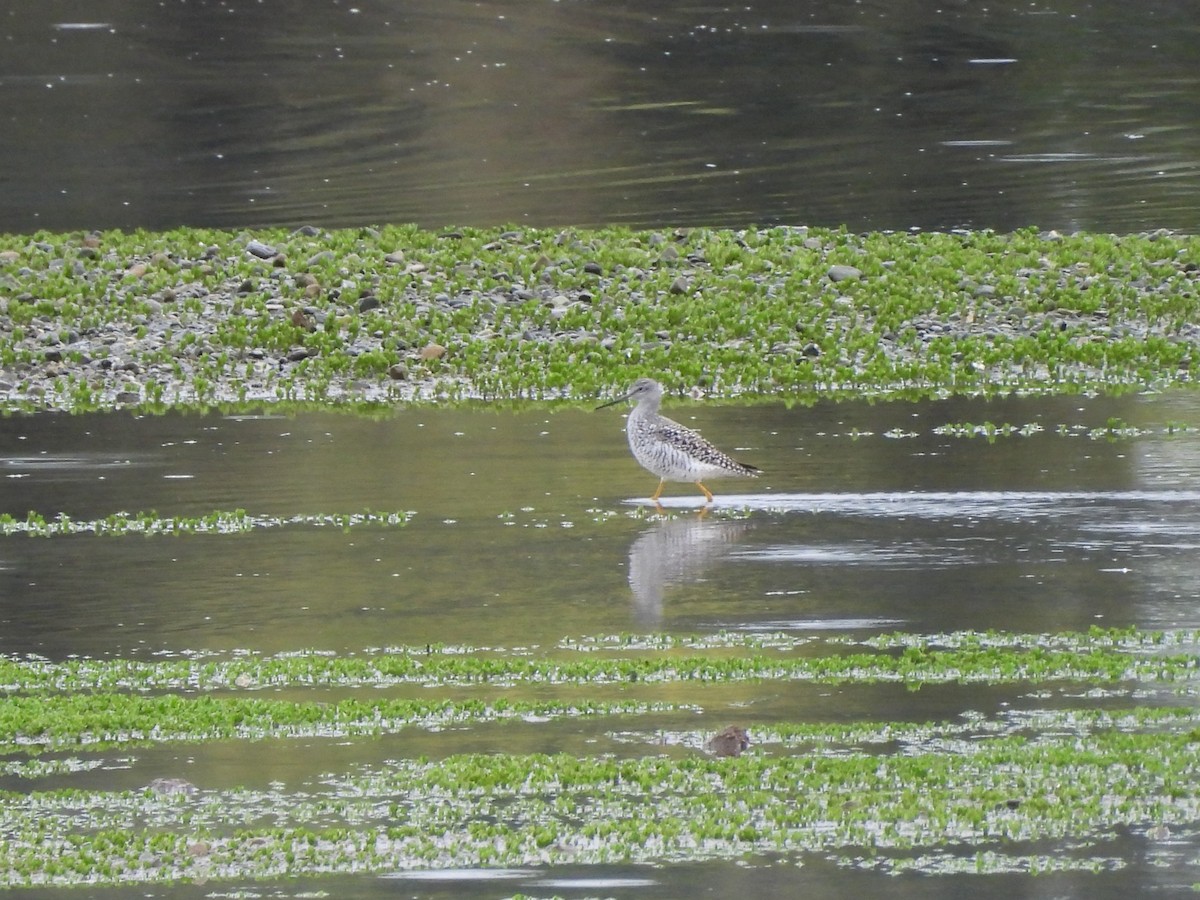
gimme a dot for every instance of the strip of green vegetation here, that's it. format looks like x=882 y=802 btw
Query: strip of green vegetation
x=913 y=662
x=36 y=724
x=513 y=810
x=1129 y=638
x=1102 y=654
x=209 y=317
x=217 y=522
x=1113 y=429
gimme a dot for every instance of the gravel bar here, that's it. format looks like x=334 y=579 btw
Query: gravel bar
x=378 y=316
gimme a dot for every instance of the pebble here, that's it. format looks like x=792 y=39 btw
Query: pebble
x=843 y=273
x=261 y=250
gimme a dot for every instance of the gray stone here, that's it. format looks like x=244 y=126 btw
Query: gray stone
x=261 y=250
x=843 y=273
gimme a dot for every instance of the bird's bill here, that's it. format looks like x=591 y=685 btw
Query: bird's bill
x=611 y=403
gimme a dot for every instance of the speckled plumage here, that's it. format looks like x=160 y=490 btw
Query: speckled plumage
x=669 y=450
x=733 y=741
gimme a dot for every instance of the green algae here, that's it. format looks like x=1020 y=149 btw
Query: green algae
x=1100 y=656
x=509 y=810
x=531 y=313
x=911 y=796
x=217 y=522
x=104 y=720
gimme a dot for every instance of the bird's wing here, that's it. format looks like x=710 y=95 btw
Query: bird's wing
x=691 y=442
x=678 y=435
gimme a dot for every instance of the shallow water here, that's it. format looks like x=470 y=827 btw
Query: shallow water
x=526 y=525
x=1067 y=114
x=531 y=527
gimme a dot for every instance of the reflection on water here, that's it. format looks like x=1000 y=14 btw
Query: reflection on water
x=672 y=552
x=874 y=114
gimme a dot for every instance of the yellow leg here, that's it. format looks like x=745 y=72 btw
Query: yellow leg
x=658 y=493
x=707 y=493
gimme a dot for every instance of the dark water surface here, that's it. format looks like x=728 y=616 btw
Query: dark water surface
x=880 y=114
x=868 y=519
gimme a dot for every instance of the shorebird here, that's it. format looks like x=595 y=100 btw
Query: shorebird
x=668 y=449
x=730 y=742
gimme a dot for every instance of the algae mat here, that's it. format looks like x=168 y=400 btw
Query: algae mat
x=376 y=316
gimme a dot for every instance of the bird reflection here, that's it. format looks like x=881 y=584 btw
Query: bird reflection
x=676 y=551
